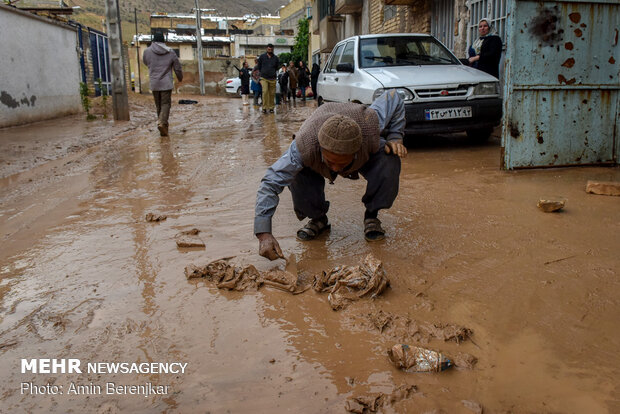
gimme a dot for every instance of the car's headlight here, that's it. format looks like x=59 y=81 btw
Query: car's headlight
x=404 y=93
x=487 y=88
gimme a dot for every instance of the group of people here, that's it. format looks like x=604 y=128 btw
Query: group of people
x=338 y=139
x=271 y=82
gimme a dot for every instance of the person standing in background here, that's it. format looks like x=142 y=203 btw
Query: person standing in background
x=486 y=51
x=303 y=78
x=283 y=81
x=314 y=78
x=292 y=79
x=268 y=65
x=244 y=75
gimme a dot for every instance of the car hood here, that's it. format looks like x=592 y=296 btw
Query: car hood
x=427 y=75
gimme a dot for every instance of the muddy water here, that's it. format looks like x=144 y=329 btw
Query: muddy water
x=83 y=275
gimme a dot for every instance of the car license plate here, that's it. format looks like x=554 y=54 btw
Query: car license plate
x=447 y=113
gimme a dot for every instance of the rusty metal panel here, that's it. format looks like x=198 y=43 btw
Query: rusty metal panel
x=562 y=84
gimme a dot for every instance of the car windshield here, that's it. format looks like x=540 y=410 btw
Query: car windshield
x=403 y=51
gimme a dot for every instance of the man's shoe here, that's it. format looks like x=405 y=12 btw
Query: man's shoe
x=264 y=111
x=163 y=130
x=271 y=111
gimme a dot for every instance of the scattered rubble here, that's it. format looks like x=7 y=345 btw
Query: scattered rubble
x=473 y=406
x=346 y=284
x=151 y=217
x=550 y=206
x=189 y=238
x=465 y=361
x=610 y=188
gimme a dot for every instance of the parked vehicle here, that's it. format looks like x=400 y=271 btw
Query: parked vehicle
x=233 y=85
x=441 y=94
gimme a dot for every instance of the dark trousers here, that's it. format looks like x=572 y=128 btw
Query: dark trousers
x=381 y=171
x=163 y=101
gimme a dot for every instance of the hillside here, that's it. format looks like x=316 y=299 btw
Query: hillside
x=92 y=12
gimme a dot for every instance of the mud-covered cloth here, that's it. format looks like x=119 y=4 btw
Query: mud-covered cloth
x=380 y=170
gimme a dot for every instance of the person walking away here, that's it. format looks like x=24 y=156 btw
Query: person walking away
x=244 y=75
x=314 y=78
x=486 y=51
x=344 y=139
x=255 y=86
x=292 y=79
x=268 y=65
x=283 y=82
x=303 y=79
x=161 y=61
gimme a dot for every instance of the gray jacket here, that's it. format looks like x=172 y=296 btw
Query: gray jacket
x=160 y=60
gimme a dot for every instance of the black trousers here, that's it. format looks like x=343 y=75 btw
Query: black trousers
x=381 y=171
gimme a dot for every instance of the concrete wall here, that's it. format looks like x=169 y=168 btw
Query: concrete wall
x=39 y=74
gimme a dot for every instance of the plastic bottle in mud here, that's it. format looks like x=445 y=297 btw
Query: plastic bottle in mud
x=416 y=359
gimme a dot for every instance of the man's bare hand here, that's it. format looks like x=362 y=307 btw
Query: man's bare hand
x=396 y=148
x=269 y=247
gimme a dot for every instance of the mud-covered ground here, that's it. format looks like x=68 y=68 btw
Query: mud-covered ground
x=84 y=275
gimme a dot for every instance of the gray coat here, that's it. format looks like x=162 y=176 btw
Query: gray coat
x=160 y=60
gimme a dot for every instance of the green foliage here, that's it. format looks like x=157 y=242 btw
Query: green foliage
x=86 y=101
x=302 y=39
x=104 y=97
x=285 y=57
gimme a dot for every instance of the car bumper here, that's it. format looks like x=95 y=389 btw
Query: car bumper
x=486 y=113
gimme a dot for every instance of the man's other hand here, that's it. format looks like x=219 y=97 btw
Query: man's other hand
x=396 y=148
x=268 y=246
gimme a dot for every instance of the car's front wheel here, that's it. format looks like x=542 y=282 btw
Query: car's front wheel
x=479 y=135
x=319 y=101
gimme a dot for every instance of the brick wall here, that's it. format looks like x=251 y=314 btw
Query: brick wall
x=408 y=19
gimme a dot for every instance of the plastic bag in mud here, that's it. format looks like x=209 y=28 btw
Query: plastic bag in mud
x=416 y=359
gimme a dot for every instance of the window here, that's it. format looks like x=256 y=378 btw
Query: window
x=389 y=12
x=347 y=54
x=334 y=59
x=403 y=51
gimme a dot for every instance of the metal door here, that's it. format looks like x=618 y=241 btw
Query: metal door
x=562 y=84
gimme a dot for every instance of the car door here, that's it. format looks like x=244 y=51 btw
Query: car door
x=327 y=80
x=344 y=81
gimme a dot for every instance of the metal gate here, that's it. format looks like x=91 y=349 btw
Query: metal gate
x=101 y=60
x=562 y=89
x=442 y=22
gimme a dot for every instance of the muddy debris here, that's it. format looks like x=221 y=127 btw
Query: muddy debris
x=472 y=406
x=189 y=238
x=347 y=284
x=152 y=217
x=610 y=188
x=229 y=277
x=551 y=205
x=372 y=403
x=465 y=361
x=417 y=359
x=403 y=328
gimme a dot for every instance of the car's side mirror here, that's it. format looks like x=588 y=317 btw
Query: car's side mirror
x=345 y=67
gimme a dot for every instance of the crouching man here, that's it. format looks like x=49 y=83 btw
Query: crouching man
x=344 y=139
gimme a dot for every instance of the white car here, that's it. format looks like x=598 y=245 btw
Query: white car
x=441 y=94
x=233 y=85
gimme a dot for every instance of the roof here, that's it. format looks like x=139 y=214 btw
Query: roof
x=175 y=38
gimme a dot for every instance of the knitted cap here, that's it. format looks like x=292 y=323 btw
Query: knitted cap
x=340 y=135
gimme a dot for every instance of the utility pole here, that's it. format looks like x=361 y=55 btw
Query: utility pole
x=135 y=18
x=201 y=72
x=120 y=102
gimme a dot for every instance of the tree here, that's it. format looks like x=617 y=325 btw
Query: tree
x=300 y=49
